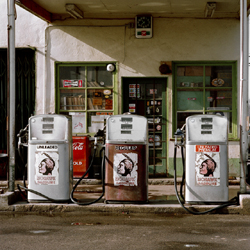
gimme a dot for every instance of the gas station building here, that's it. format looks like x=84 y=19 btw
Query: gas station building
x=165 y=60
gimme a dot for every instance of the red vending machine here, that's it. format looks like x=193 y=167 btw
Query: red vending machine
x=81 y=155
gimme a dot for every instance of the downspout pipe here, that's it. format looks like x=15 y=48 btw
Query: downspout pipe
x=11 y=93
x=244 y=116
x=45 y=70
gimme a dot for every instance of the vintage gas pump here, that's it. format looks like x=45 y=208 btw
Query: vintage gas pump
x=206 y=159
x=206 y=165
x=50 y=166
x=126 y=175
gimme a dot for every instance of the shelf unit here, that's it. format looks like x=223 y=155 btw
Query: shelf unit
x=87 y=93
x=146 y=97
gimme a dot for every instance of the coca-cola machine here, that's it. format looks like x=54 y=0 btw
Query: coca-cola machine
x=81 y=155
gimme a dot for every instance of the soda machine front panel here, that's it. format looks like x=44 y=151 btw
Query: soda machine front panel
x=81 y=155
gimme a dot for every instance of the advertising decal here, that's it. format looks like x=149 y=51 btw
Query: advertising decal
x=207 y=165
x=125 y=169
x=47 y=165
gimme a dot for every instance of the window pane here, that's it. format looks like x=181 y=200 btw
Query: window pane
x=194 y=81
x=190 y=71
x=100 y=99
x=155 y=140
x=98 y=76
x=219 y=98
x=221 y=76
x=190 y=100
x=192 y=76
x=72 y=99
x=72 y=76
x=78 y=121
x=154 y=91
x=136 y=91
x=97 y=120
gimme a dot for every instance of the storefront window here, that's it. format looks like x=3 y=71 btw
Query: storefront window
x=205 y=89
x=86 y=92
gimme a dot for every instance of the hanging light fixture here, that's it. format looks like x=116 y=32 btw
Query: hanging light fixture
x=210 y=9
x=74 y=11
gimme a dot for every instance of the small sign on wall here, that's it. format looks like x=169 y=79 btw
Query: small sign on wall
x=72 y=83
x=132 y=108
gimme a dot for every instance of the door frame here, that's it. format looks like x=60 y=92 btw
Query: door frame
x=124 y=81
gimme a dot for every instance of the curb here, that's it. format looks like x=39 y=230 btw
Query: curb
x=73 y=209
x=11 y=202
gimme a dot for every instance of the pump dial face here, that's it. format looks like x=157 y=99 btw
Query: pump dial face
x=143 y=22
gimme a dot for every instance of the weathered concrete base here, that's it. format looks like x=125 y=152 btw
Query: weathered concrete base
x=6 y=200
x=68 y=209
x=159 y=192
x=10 y=202
x=244 y=200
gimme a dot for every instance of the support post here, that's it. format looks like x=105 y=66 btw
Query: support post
x=244 y=116
x=11 y=94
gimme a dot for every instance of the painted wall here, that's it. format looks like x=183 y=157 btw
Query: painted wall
x=29 y=33
x=174 y=39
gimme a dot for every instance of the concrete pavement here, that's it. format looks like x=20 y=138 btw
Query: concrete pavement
x=161 y=199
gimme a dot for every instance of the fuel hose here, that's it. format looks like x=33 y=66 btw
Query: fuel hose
x=233 y=201
x=78 y=182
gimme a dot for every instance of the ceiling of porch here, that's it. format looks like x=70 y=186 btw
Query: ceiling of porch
x=50 y=10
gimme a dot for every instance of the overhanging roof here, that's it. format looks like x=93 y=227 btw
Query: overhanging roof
x=50 y=10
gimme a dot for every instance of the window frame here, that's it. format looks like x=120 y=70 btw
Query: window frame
x=85 y=89
x=233 y=111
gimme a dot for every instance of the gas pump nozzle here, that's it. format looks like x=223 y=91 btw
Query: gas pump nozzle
x=23 y=132
x=178 y=134
x=100 y=132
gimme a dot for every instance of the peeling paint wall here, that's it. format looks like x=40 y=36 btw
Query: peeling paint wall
x=30 y=33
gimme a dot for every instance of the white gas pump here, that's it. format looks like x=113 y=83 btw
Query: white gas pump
x=126 y=175
x=50 y=166
x=205 y=170
x=206 y=159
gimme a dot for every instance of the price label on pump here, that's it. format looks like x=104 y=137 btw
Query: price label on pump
x=207 y=148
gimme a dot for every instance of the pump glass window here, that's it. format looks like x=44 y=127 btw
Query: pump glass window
x=85 y=92
x=206 y=88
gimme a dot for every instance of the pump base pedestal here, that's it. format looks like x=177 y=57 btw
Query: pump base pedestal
x=205 y=203
x=48 y=201
x=125 y=202
x=130 y=188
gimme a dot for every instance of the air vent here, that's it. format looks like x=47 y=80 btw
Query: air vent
x=206 y=126
x=126 y=119
x=126 y=126
x=206 y=132
x=206 y=119
x=48 y=119
x=125 y=132
x=47 y=132
x=48 y=126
